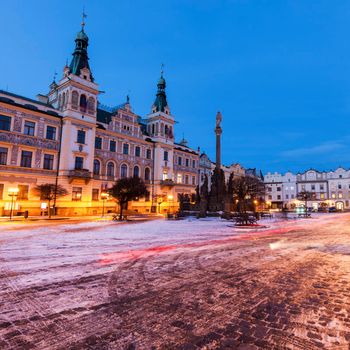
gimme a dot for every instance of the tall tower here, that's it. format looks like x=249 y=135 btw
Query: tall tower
x=76 y=96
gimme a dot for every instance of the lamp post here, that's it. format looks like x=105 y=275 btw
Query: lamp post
x=104 y=196
x=13 y=192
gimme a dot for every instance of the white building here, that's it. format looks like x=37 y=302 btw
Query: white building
x=329 y=189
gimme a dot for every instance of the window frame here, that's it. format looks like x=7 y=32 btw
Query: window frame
x=29 y=130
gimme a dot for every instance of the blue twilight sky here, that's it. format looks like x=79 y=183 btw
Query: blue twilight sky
x=278 y=70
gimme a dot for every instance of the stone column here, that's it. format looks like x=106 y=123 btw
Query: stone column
x=218 y=132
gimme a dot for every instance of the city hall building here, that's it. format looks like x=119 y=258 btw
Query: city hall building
x=68 y=138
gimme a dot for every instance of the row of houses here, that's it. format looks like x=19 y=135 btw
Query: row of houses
x=328 y=188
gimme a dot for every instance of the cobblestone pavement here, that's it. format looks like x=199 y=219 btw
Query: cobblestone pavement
x=285 y=287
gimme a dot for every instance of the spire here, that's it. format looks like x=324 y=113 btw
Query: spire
x=80 y=58
x=160 y=102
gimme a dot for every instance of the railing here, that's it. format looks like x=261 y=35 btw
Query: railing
x=80 y=174
x=167 y=182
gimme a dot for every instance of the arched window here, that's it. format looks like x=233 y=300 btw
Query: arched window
x=91 y=105
x=97 y=167
x=166 y=130
x=59 y=101
x=82 y=103
x=153 y=129
x=162 y=128
x=157 y=128
x=110 y=169
x=136 y=171
x=147 y=174
x=75 y=98
x=124 y=171
x=67 y=97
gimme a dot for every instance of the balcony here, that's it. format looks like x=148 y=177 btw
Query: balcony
x=167 y=182
x=81 y=174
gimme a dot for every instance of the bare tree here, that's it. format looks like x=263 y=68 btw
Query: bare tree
x=305 y=196
x=126 y=190
x=245 y=190
x=48 y=192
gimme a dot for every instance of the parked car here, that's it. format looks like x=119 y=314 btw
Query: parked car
x=332 y=209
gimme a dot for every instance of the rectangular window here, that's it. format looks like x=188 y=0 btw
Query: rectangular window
x=137 y=151
x=79 y=163
x=77 y=193
x=3 y=155
x=278 y=189
x=1 y=191
x=26 y=159
x=269 y=196
x=312 y=187
x=186 y=179
x=166 y=155
x=193 y=180
x=29 y=128
x=322 y=195
x=98 y=142
x=48 y=161
x=148 y=154
x=279 y=197
x=340 y=195
x=321 y=187
x=269 y=189
x=95 y=194
x=81 y=136
x=287 y=196
x=5 y=123
x=112 y=146
x=179 y=178
x=51 y=132
x=292 y=196
x=23 y=192
x=187 y=162
x=193 y=163
x=125 y=148
x=179 y=161
x=333 y=195
x=339 y=186
x=165 y=175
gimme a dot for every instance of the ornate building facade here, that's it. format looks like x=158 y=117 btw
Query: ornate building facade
x=69 y=138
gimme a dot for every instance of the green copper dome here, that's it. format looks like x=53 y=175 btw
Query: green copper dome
x=160 y=102
x=161 y=82
x=82 y=36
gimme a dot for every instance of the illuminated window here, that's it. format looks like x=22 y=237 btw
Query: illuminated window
x=179 y=178
x=165 y=175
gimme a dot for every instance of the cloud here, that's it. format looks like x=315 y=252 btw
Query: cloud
x=320 y=149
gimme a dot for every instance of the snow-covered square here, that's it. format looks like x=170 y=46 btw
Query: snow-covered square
x=189 y=284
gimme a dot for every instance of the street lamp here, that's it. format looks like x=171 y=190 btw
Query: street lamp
x=13 y=192
x=104 y=196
